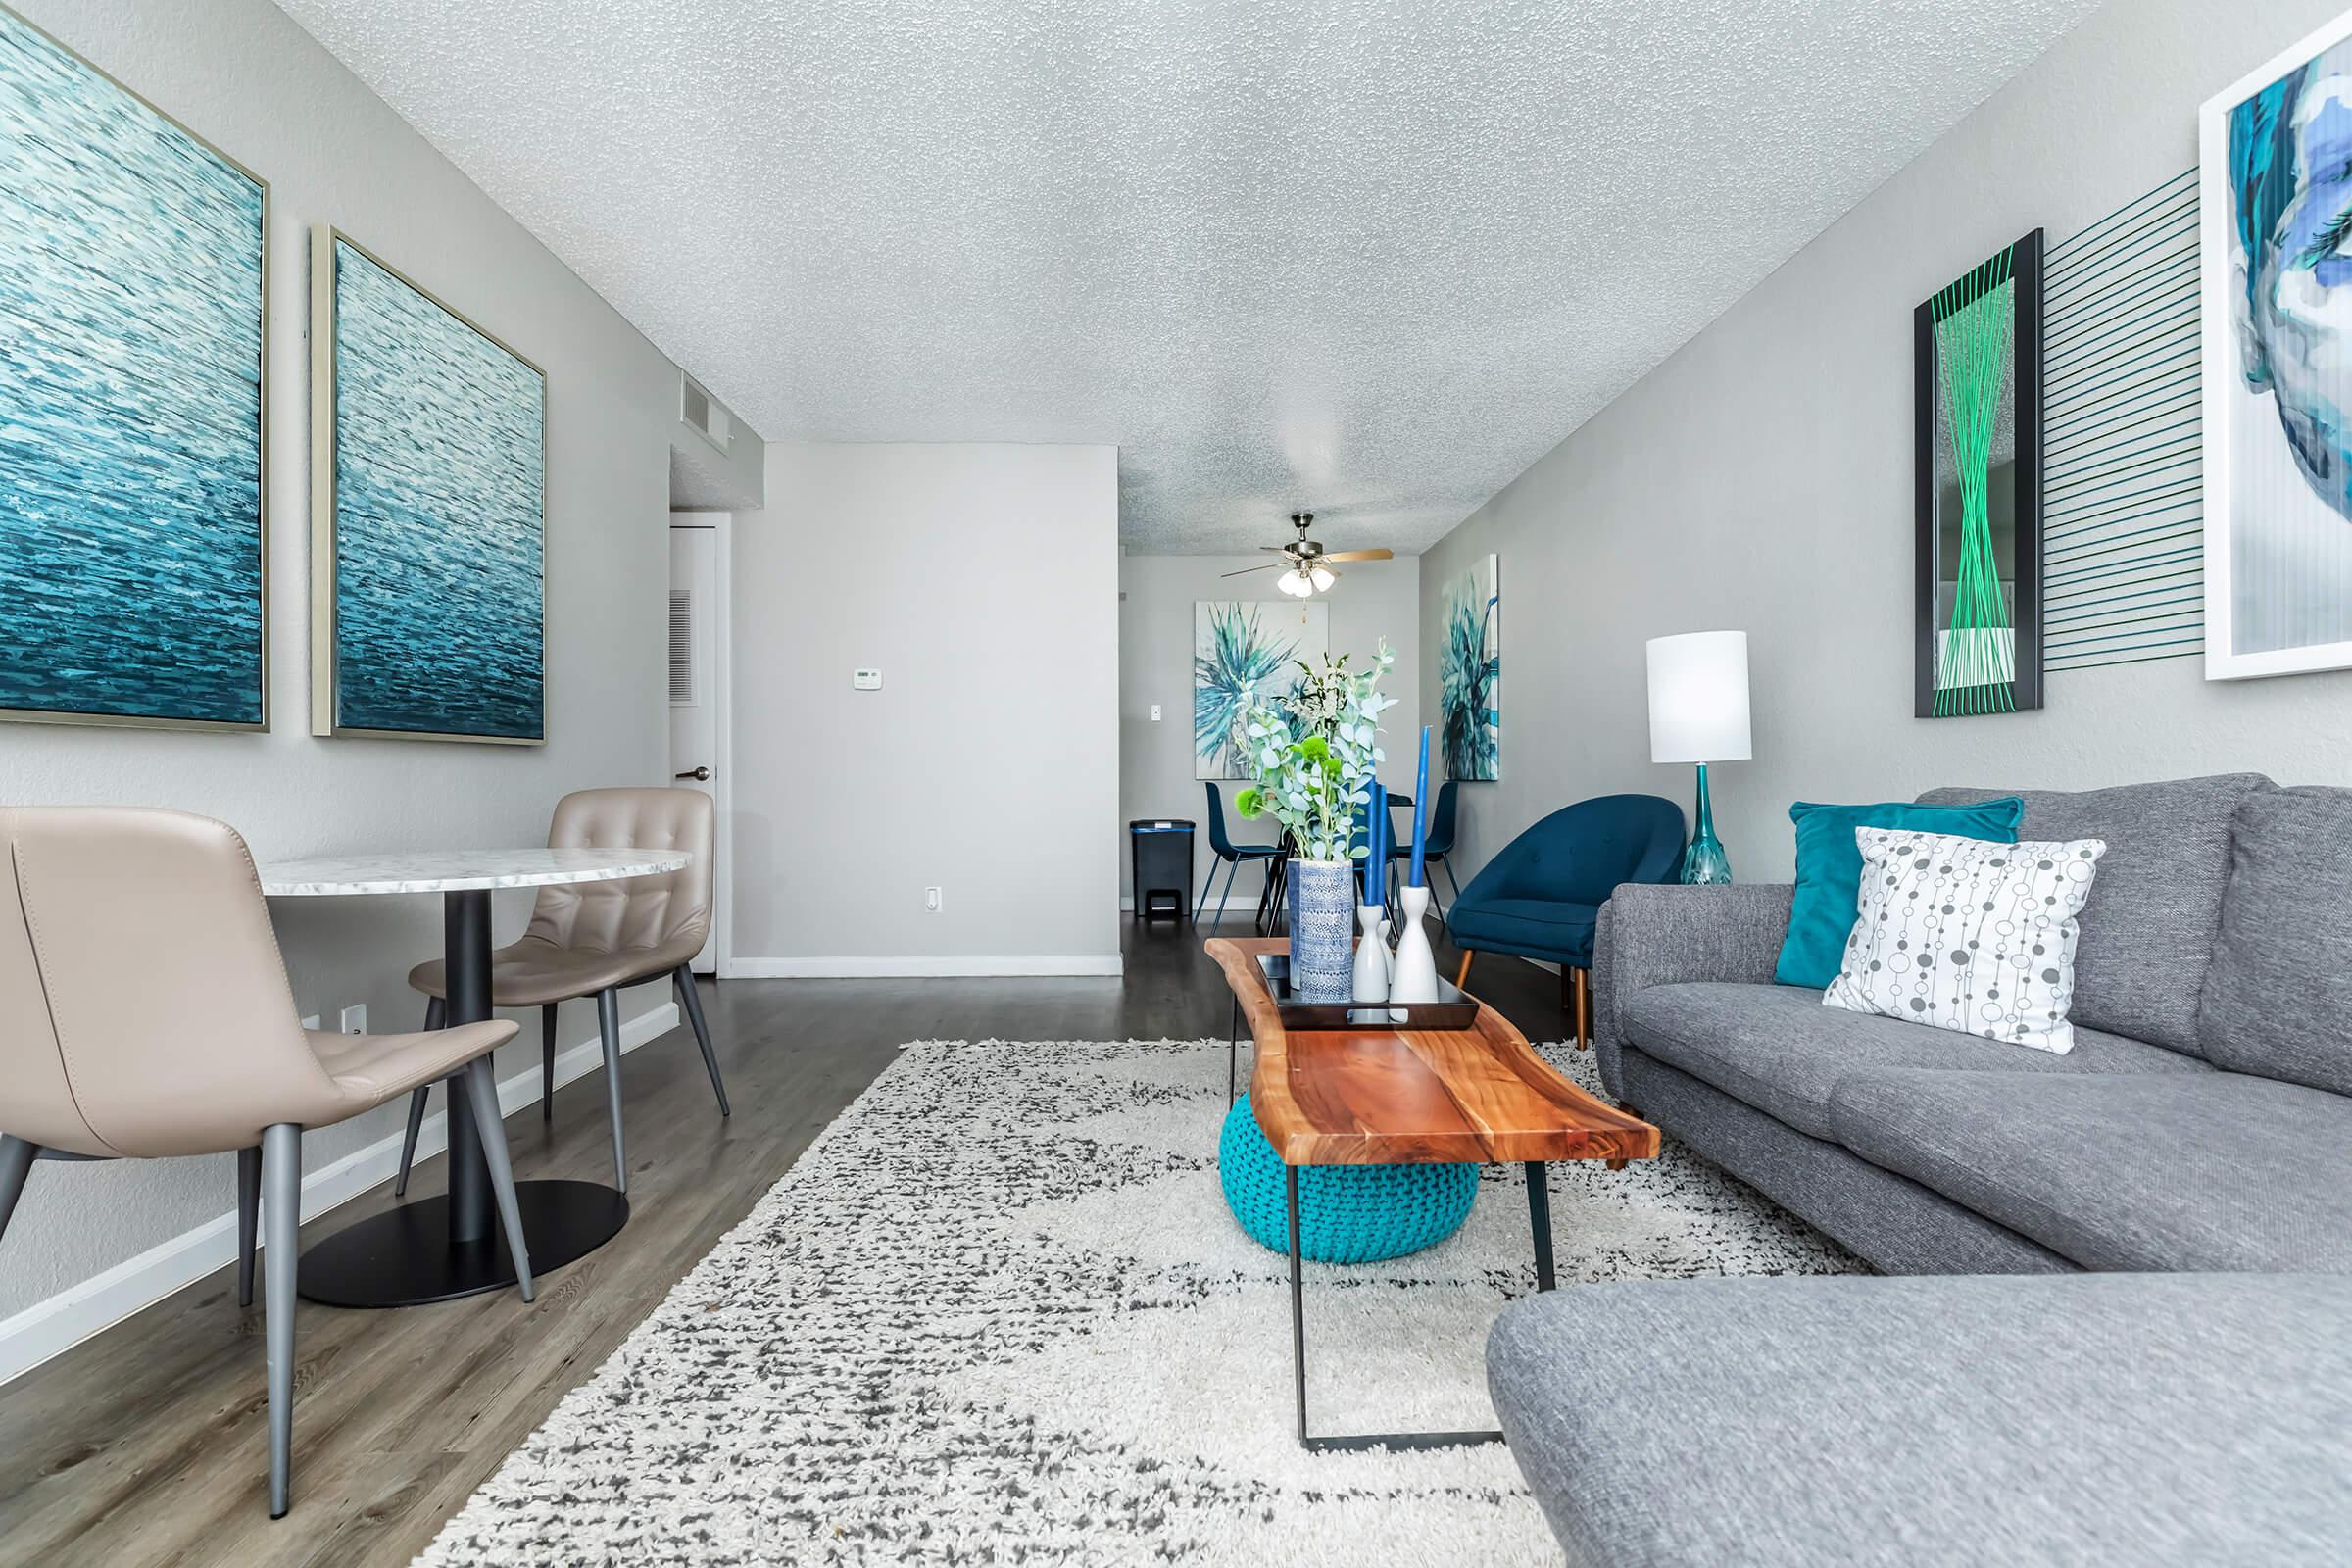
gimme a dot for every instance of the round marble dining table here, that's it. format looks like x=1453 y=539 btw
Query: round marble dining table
x=441 y=1247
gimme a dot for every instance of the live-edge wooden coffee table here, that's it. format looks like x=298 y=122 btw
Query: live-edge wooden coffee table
x=1386 y=1096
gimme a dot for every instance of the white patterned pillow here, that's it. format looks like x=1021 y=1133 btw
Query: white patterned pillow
x=1964 y=934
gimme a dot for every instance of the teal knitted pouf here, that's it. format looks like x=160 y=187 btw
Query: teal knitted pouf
x=1346 y=1213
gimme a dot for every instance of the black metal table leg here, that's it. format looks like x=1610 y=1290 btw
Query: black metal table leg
x=1538 y=1218
x=1233 y=1049
x=1399 y=1441
x=442 y=1247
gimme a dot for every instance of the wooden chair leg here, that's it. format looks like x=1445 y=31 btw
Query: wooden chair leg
x=1584 y=1008
x=1461 y=974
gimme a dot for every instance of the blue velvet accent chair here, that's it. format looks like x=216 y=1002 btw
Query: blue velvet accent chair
x=1231 y=854
x=1541 y=895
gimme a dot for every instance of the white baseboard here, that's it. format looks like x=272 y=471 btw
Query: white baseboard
x=62 y=1321
x=1080 y=963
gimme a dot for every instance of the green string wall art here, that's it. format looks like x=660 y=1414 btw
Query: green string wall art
x=1978 y=345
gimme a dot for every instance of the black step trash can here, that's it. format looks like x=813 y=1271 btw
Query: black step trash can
x=1160 y=848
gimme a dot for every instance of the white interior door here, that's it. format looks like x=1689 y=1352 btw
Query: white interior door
x=699 y=689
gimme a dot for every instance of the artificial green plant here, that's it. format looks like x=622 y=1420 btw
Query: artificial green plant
x=1314 y=766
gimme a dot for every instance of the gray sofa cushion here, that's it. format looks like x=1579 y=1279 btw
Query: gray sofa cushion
x=2149 y=927
x=2279 y=994
x=1891 y=1222
x=1780 y=1049
x=2083 y=1419
x=2154 y=1171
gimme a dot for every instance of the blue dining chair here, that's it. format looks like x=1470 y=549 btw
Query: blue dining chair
x=1540 y=897
x=1221 y=845
x=1442 y=823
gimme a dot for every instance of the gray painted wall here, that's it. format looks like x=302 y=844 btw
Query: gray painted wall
x=1761 y=479
x=702 y=479
x=982 y=579
x=1373 y=599
x=243 y=75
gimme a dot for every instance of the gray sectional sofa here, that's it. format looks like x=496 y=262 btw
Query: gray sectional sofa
x=2196 y=1144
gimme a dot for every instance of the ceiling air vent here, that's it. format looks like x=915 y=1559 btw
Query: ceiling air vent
x=700 y=410
x=681 y=648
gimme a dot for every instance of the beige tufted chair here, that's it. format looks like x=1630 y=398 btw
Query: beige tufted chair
x=203 y=1054
x=591 y=939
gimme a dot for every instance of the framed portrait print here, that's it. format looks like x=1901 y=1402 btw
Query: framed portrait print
x=2275 y=168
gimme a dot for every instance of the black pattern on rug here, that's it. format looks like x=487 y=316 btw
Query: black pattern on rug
x=998 y=1312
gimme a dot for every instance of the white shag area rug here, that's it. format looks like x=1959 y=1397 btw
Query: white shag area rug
x=999 y=1313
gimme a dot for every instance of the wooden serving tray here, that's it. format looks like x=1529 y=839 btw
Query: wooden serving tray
x=1453 y=1009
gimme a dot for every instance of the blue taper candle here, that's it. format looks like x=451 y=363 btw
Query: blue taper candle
x=1421 y=812
x=1376 y=849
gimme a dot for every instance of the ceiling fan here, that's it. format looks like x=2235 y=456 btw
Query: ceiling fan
x=1308 y=564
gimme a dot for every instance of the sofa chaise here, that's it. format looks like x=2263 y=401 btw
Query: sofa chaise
x=2196 y=1142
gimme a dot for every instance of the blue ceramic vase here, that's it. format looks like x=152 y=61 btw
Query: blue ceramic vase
x=1322 y=930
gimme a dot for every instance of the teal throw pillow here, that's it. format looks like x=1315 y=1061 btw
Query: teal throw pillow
x=1829 y=870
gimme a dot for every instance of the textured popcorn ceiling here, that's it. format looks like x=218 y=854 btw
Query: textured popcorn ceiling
x=1371 y=257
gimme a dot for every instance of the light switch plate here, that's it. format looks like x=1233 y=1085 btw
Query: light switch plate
x=355 y=1018
x=865 y=680
x=1155 y=713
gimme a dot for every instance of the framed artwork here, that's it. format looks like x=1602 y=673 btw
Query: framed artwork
x=428 y=437
x=134 y=328
x=1470 y=683
x=1977 y=359
x=2276 y=287
x=1245 y=653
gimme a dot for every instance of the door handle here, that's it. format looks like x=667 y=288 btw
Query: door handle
x=701 y=775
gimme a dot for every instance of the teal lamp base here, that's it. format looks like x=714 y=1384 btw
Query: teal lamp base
x=1704 y=864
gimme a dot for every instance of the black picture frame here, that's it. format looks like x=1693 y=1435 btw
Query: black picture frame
x=2025 y=478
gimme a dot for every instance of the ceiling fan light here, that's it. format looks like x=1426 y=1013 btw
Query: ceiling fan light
x=1322 y=576
x=1297 y=584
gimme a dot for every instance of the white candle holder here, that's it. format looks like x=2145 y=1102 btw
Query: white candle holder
x=1415 y=978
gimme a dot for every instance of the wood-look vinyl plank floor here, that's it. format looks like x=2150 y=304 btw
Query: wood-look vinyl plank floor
x=145 y=1446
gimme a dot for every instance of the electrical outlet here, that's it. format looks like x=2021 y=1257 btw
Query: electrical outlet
x=932 y=900
x=355 y=1018
x=1155 y=713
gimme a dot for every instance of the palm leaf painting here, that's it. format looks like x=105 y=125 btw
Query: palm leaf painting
x=1244 y=655
x=1470 y=691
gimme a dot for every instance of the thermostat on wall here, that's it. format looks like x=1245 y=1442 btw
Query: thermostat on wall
x=865 y=680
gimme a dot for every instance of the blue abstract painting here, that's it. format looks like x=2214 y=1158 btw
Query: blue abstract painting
x=130 y=406
x=1244 y=655
x=439 y=475
x=1470 y=675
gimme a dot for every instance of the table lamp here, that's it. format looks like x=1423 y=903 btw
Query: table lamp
x=1698 y=714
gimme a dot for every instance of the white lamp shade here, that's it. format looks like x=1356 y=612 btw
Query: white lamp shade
x=1699 y=698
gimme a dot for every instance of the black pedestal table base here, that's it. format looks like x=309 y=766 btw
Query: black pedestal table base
x=404 y=1257
x=439 y=1249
